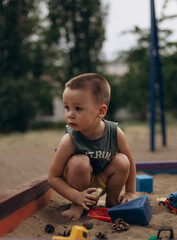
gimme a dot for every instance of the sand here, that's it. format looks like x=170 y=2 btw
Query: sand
x=26 y=156
x=34 y=227
x=23 y=157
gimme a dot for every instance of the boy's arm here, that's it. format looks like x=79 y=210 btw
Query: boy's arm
x=130 y=186
x=64 y=152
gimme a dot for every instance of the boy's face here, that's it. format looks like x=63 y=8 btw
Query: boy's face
x=81 y=110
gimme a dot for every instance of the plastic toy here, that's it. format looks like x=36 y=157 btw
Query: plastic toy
x=77 y=232
x=144 y=183
x=163 y=229
x=97 y=194
x=137 y=211
x=100 y=214
x=161 y=201
x=171 y=202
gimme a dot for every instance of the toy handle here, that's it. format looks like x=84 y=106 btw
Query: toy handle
x=166 y=229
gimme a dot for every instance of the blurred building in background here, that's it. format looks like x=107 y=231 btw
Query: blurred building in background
x=58 y=112
x=116 y=67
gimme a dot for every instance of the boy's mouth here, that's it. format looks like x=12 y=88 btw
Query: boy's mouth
x=72 y=124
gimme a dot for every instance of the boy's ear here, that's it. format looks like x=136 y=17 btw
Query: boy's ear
x=102 y=111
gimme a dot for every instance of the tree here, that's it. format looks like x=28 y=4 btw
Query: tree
x=22 y=64
x=134 y=85
x=170 y=83
x=17 y=25
x=17 y=104
x=77 y=27
x=169 y=57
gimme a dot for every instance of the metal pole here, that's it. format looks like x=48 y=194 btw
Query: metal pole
x=155 y=61
x=160 y=89
x=152 y=81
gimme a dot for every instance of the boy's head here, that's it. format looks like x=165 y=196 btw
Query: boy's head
x=98 y=86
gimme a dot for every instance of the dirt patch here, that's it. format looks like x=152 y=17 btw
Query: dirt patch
x=25 y=156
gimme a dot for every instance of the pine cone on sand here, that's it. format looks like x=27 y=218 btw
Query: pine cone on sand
x=101 y=235
x=120 y=225
x=88 y=225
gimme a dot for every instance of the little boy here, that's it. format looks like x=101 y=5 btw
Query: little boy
x=94 y=152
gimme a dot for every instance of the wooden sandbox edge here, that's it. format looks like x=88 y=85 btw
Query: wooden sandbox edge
x=22 y=201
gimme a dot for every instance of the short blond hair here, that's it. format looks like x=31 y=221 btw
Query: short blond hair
x=97 y=84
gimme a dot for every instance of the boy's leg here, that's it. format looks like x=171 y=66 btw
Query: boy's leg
x=115 y=176
x=78 y=175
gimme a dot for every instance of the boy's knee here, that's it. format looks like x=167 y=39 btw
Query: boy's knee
x=79 y=163
x=122 y=162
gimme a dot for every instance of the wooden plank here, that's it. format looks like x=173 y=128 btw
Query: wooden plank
x=159 y=166
x=15 y=198
x=11 y=221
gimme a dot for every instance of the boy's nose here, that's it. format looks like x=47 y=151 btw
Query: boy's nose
x=71 y=114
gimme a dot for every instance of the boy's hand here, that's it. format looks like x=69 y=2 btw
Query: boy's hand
x=127 y=196
x=84 y=198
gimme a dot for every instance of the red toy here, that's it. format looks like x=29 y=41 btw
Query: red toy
x=100 y=214
x=171 y=202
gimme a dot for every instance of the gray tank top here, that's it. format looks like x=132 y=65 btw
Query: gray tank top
x=101 y=150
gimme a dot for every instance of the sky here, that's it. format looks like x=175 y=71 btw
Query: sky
x=123 y=15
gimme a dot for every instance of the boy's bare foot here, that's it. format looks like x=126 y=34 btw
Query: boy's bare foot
x=74 y=212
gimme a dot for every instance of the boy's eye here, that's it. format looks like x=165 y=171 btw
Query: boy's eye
x=66 y=107
x=78 y=108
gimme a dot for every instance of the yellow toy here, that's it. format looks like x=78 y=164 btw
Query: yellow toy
x=161 y=201
x=77 y=232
